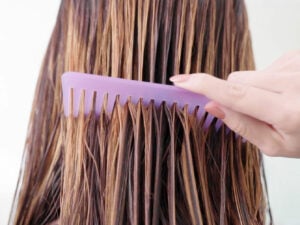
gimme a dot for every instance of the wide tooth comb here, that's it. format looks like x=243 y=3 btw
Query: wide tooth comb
x=136 y=90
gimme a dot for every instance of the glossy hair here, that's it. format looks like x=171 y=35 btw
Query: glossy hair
x=139 y=164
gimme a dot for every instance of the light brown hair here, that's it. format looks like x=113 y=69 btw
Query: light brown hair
x=140 y=164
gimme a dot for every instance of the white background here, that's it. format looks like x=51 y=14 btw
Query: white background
x=25 y=28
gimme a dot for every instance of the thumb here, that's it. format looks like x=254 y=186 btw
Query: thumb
x=255 y=131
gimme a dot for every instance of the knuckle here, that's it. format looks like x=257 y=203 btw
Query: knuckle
x=240 y=76
x=236 y=90
x=233 y=76
x=201 y=78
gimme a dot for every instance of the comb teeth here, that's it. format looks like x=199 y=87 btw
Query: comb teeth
x=98 y=87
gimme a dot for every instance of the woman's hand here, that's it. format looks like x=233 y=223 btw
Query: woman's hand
x=262 y=106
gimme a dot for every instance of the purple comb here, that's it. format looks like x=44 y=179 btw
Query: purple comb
x=136 y=90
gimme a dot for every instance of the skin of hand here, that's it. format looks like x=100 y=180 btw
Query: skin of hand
x=262 y=106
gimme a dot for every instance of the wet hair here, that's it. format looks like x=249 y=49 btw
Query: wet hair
x=140 y=164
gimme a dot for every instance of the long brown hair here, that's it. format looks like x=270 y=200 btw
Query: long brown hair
x=139 y=164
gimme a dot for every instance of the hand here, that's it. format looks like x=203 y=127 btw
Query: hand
x=262 y=106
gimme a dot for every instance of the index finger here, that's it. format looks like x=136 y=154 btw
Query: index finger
x=255 y=102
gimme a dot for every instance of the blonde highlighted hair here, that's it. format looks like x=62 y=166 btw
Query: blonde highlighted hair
x=140 y=164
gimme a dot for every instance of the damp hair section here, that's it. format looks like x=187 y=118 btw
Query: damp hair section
x=140 y=163
x=143 y=164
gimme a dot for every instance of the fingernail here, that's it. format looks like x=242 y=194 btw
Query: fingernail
x=180 y=78
x=215 y=111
